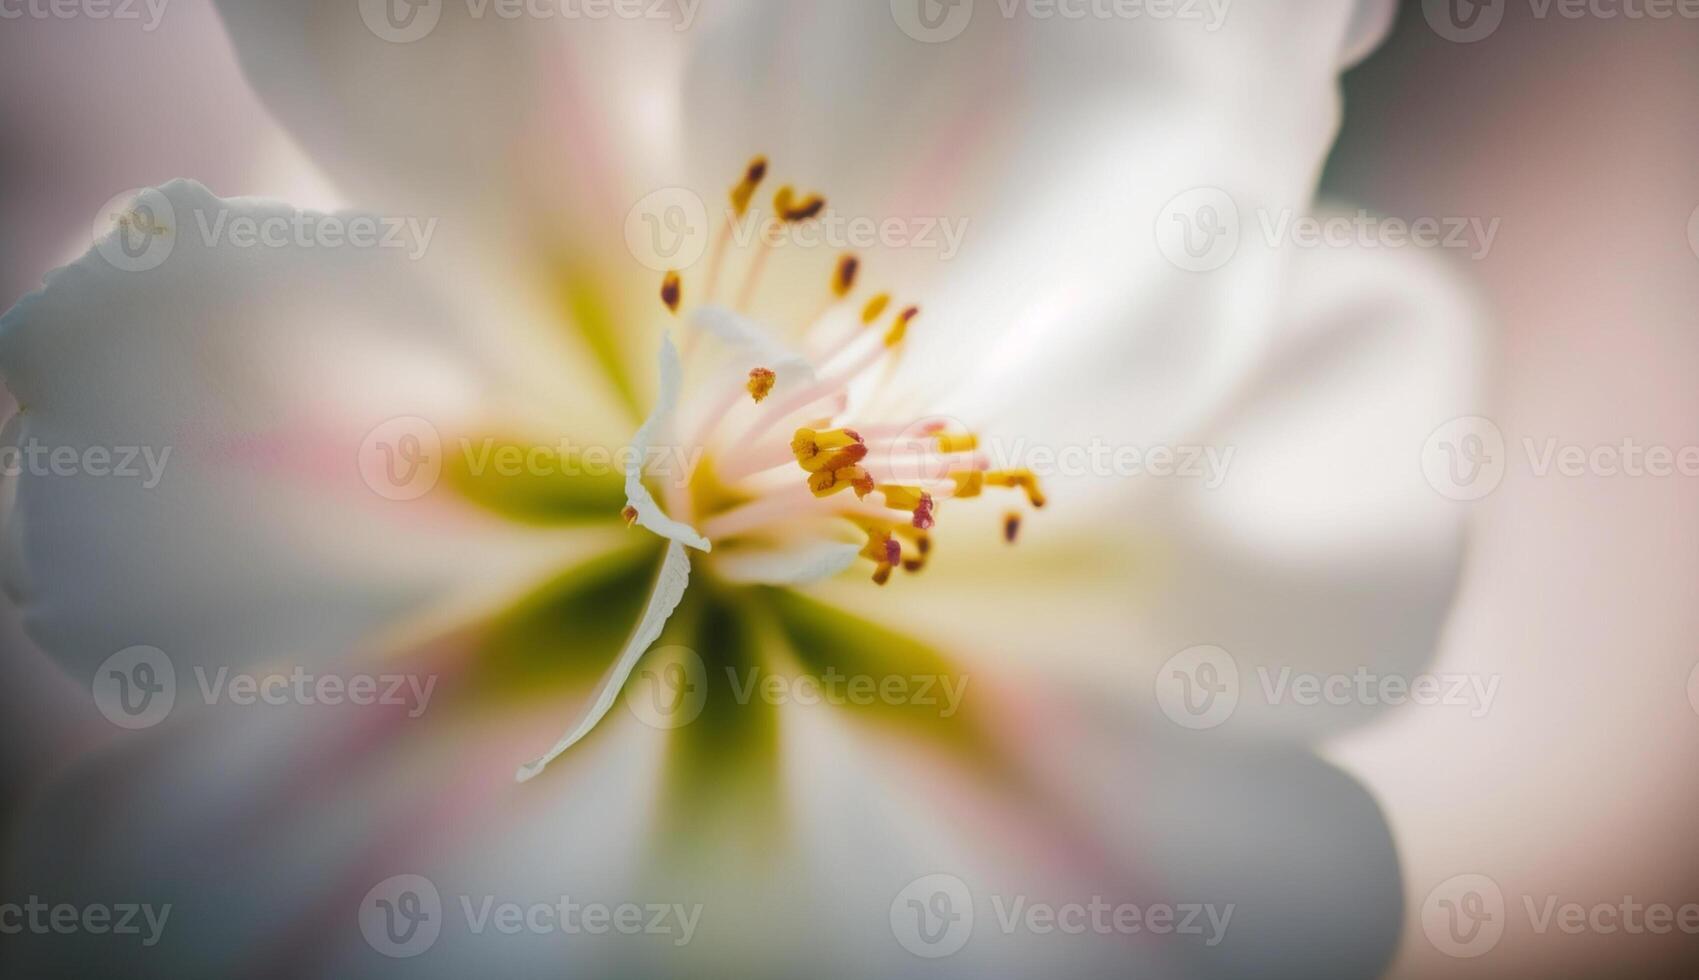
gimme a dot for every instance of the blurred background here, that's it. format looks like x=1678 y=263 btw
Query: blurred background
x=1579 y=136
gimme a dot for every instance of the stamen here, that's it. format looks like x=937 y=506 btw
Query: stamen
x=843 y=279
x=833 y=449
x=899 y=327
x=789 y=209
x=761 y=382
x=1011 y=527
x=1024 y=479
x=965 y=442
x=744 y=192
x=874 y=308
x=882 y=549
x=912 y=499
x=671 y=290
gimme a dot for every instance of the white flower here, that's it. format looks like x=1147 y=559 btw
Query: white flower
x=1060 y=323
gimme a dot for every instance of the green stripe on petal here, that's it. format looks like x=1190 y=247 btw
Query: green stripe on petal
x=566 y=633
x=536 y=484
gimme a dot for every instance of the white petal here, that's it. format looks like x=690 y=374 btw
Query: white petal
x=637 y=496
x=1370 y=24
x=199 y=119
x=256 y=377
x=669 y=589
x=1326 y=550
x=462 y=107
x=1058 y=144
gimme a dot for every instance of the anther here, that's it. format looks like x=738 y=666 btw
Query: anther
x=671 y=290
x=1011 y=527
x=630 y=515
x=761 y=381
x=744 y=192
x=912 y=499
x=874 y=308
x=1023 y=479
x=899 y=326
x=843 y=278
x=788 y=208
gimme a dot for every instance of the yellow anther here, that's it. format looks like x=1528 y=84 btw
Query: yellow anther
x=744 y=192
x=874 y=308
x=789 y=208
x=963 y=442
x=882 y=549
x=911 y=499
x=899 y=326
x=671 y=290
x=825 y=483
x=843 y=278
x=1024 y=479
x=828 y=450
x=761 y=382
x=968 y=484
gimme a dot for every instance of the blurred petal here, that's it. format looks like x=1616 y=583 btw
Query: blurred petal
x=1325 y=549
x=250 y=393
x=1058 y=144
x=1315 y=546
x=133 y=104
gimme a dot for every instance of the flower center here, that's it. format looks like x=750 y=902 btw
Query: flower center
x=790 y=442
